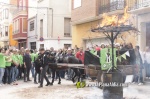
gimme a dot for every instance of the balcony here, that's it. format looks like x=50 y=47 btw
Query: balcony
x=140 y=7
x=20 y=36
x=112 y=6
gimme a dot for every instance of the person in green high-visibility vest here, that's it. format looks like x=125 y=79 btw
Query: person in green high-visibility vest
x=2 y=65
x=15 y=64
x=32 y=54
x=8 y=60
x=21 y=65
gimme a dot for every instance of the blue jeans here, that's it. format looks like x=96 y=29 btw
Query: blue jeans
x=14 y=72
x=32 y=69
x=2 y=70
x=8 y=71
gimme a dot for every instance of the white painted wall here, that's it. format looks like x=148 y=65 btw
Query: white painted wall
x=4 y=22
x=96 y=41
x=32 y=16
x=32 y=10
x=142 y=20
x=61 y=9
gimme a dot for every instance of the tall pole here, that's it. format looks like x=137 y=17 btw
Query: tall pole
x=112 y=45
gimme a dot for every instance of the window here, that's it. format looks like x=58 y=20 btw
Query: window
x=31 y=25
x=41 y=28
x=41 y=45
x=6 y=30
x=67 y=27
x=6 y=13
x=77 y=3
x=24 y=24
x=20 y=5
x=33 y=45
x=66 y=46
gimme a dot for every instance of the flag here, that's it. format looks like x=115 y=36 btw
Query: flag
x=119 y=58
x=127 y=53
x=123 y=56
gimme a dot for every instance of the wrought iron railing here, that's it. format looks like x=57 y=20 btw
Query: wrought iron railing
x=112 y=6
x=139 y=4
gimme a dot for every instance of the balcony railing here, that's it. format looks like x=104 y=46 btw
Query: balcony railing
x=112 y=6
x=139 y=4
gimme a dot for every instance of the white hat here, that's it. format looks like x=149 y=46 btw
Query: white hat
x=69 y=49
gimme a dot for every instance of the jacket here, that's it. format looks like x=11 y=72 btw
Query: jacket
x=44 y=59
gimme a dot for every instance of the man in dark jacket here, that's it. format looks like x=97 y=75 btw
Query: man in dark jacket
x=44 y=67
x=27 y=65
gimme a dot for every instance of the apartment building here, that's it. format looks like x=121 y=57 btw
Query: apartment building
x=141 y=10
x=53 y=24
x=20 y=16
x=87 y=14
x=4 y=25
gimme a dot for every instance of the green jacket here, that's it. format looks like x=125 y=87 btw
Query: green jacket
x=2 y=61
x=20 y=59
x=32 y=57
x=36 y=55
x=8 y=63
x=15 y=58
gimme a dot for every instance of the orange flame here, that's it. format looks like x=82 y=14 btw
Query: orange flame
x=114 y=19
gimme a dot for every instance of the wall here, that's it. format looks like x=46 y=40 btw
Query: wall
x=142 y=20
x=54 y=43
x=32 y=34
x=82 y=31
x=51 y=32
x=12 y=42
x=87 y=9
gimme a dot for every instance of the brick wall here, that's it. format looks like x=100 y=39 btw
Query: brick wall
x=88 y=8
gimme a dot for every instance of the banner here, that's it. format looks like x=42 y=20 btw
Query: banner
x=127 y=53
x=106 y=58
x=123 y=56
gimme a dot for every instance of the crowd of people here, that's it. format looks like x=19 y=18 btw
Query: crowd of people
x=17 y=64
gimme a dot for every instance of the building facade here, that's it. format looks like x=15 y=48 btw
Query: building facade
x=53 y=23
x=141 y=10
x=87 y=14
x=32 y=24
x=4 y=25
x=20 y=16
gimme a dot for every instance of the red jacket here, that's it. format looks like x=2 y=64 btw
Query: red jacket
x=80 y=55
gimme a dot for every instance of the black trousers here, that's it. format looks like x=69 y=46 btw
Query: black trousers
x=43 y=75
x=35 y=76
x=27 y=73
x=20 y=68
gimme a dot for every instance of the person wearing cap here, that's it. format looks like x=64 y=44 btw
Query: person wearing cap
x=15 y=64
x=27 y=65
x=102 y=46
x=69 y=52
x=80 y=55
x=44 y=67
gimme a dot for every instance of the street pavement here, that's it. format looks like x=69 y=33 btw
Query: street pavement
x=67 y=90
